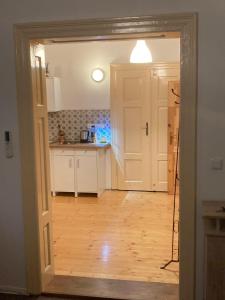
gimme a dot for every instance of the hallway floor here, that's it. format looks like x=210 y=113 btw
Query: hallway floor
x=121 y=235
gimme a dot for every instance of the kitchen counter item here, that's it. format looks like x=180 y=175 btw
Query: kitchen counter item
x=84 y=136
x=61 y=135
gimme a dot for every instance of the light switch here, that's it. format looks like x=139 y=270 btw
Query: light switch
x=217 y=163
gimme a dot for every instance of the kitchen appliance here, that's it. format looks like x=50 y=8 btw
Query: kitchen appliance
x=84 y=136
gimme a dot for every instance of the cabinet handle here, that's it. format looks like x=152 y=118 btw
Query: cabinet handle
x=78 y=163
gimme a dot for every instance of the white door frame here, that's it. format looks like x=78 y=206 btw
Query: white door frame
x=106 y=29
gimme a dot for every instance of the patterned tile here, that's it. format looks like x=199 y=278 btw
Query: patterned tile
x=73 y=121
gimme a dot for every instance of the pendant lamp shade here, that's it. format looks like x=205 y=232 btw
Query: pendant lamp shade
x=141 y=53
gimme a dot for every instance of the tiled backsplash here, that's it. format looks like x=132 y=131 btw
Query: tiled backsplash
x=73 y=121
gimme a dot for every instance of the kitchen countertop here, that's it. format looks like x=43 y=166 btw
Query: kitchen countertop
x=77 y=145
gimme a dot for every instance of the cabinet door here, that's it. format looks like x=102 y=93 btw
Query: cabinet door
x=64 y=173
x=87 y=180
x=57 y=94
x=50 y=94
x=53 y=94
x=215 y=268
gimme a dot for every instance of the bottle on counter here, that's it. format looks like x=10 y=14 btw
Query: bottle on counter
x=93 y=134
x=61 y=135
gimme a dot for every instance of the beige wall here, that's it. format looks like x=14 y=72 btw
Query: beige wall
x=73 y=63
x=211 y=106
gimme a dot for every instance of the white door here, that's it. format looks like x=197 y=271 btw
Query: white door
x=64 y=180
x=86 y=170
x=42 y=161
x=130 y=107
x=161 y=75
x=139 y=108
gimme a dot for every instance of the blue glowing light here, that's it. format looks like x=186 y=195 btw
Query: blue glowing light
x=103 y=133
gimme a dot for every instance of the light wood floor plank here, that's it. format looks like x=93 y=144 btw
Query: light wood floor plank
x=121 y=235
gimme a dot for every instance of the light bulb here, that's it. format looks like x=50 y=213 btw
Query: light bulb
x=141 y=53
x=97 y=75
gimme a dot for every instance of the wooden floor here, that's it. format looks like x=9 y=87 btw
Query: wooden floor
x=121 y=235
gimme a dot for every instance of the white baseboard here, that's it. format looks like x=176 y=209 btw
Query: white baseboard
x=13 y=290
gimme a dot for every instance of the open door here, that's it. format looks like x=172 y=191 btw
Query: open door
x=42 y=161
x=161 y=75
x=173 y=127
x=130 y=112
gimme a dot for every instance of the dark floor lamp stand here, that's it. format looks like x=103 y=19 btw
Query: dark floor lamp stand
x=176 y=180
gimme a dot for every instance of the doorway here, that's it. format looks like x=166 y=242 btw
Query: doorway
x=117 y=235
x=188 y=135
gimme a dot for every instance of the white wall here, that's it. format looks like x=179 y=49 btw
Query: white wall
x=73 y=63
x=211 y=105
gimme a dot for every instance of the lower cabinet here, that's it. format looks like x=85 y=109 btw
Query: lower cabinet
x=78 y=171
x=214 y=250
x=87 y=180
x=64 y=173
x=215 y=267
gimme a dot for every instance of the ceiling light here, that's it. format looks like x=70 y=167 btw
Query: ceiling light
x=97 y=75
x=141 y=53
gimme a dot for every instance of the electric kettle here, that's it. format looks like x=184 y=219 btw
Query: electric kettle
x=84 y=136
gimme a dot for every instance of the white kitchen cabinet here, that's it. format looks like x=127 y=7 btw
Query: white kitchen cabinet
x=78 y=171
x=87 y=177
x=63 y=175
x=90 y=171
x=53 y=89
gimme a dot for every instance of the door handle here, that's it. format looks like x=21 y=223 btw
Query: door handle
x=146 y=128
x=78 y=163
